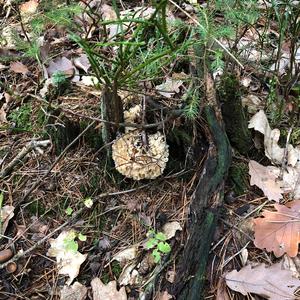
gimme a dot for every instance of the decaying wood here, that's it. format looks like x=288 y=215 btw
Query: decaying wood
x=206 y=203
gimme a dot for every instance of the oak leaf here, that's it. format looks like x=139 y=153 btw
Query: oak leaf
x=108 y=291
x=61 y=64
x=18 y=67
x=272 y=283
x=263 y=178
x=279 y=231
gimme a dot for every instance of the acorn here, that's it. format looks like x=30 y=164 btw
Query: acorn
x=5 y=255
x=11 y=267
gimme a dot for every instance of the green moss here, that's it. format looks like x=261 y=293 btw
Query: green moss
x=236 y=124
x=238 y=178
x=105 y=278
x=22 y=117
x=116 y=268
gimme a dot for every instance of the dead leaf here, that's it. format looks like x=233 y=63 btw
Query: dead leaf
x=170 y=229
x=252 y=102
x=129 y=276
x=272 y=283
x=263 y=178
x=68 y=259
x=109 y=14
x=62 y=64
x=3 y=118
x=279 y=231
x=164 y=296
x=76 y=291
x=29 y=7
x=19 y=68
x=6 y=213
x=82 y=62
x=126 y=255
x=170 y=87
x=290 y=179
x=89 y=80
x=271 y=137
x=108 y=291
x=288 y=263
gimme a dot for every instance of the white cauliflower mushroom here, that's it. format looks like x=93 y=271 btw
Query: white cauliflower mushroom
x=139 y=160
x=131 y=115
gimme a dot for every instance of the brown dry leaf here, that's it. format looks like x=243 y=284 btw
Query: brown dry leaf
x=170 y=87
x=82 y=62
x=126 y=254
x=279 y=231
x=108 y=291
x=62 y=64
x=164 y=296
x=263 y=178
x=19 y=68
x=3 y=119
x=272 y=283
x=6 y=213
x=290 y=179
x=76 y=291
x=29 y=7
x=170 y=229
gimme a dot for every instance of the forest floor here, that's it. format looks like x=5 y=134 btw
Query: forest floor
x=69 y=218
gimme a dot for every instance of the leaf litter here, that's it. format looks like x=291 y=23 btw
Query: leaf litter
x=274 y=181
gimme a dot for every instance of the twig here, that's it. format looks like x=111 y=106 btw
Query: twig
x=171 y=114
x=214 y=39
x=38 y=243
x=74 y=216
x=28 y=147
x=37 y=183
x=285 y=162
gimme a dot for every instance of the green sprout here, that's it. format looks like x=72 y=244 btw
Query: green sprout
x=157 y=242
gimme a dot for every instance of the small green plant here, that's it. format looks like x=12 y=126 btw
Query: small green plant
x=69 y=242
x=157 y=242
x=59 y=78
x=21 y=117
x=69 y=211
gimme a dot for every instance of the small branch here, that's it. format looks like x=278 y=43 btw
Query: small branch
x=176 y=112
x=72 y=219
x=30 y=146
x=37 y=183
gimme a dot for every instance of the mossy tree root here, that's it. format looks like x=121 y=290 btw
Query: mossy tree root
x=204 y=211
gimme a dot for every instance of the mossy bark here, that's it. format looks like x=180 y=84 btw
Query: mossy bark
x=233 y=114
x=204 y=212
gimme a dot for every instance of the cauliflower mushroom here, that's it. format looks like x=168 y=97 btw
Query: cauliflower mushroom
x=139 y=160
